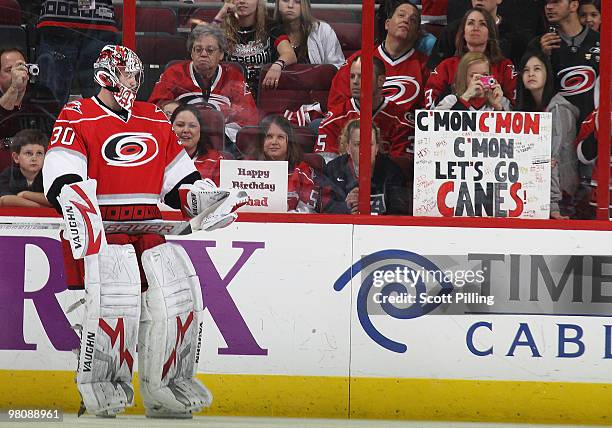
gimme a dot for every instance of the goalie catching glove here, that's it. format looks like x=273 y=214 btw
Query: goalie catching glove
x=214 y=206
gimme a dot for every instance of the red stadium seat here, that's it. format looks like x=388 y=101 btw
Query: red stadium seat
x=337 y=15
x=305 y=137
x=5 y=158
x=10 y=12
x=214 y=125
x=151 y=19
x=315 y=161
x=349 y=35
x=299 y=84
x=203 y=15
x=246 y=141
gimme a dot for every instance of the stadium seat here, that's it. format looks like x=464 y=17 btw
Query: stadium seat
x=299 y=84
x=202 y=14
x=315 y=161
x=12 y=36
x=214 y=124
x=151 y=19
x=5 y=155
x=155 y=51
x=305 y=137
x=246 y=141
x=349 y=35
x=337 y=15
x=10 y=12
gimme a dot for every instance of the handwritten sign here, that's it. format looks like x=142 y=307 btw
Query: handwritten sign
x=482 y=164
x=264 y=181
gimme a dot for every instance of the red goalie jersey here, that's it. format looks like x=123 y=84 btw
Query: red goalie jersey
x=135 y=161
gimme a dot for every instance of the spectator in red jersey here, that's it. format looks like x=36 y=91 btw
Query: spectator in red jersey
x=406 y=70
x=389 y=193
x=536 y=92
x=590 y=13
x=206 y=79
x=276 y=142
x=313 y=41
x=471 y=91
x=476 y=34
x=189 y=127
x=253 y=41
x=397 y=132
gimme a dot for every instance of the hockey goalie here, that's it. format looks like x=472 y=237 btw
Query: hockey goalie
x=113 y=158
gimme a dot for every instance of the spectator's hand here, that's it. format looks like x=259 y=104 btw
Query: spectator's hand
x=495 y=95
x=352 y=200
x=475 y=88
x=19 y=76
x=272 y=76
x=556 y=215
x=229 y=7
x=550 y=41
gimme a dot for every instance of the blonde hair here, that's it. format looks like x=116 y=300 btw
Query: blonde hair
x=461 y=83
x=345 y=135
x=231 y=27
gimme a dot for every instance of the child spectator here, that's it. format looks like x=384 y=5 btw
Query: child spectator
x=590 y=13
x=469 y=91
x=314 y=41
x=21 y=183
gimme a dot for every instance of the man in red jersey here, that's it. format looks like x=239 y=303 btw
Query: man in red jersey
x=406 y=70
x=397 y=132
x=114 y=158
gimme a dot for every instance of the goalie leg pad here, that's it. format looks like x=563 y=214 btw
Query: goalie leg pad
x=110 y=330
x=170 y=334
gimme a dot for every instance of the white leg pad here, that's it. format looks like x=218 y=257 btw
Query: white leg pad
x=170 y=334
x=110 y=330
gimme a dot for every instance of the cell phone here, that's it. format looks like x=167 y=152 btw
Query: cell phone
x=553 y=29
x=488 y=81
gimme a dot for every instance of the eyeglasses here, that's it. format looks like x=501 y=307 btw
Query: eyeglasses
x=209 y=50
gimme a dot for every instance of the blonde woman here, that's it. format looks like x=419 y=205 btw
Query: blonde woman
x=254 y=41
x=313 y=41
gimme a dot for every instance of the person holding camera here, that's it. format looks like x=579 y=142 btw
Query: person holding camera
x=24 y=104
x=474 y=88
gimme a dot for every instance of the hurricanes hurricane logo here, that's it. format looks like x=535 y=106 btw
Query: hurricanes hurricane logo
x=130 y=149
x=577 y=80
x=389 y=261
x=401 y=89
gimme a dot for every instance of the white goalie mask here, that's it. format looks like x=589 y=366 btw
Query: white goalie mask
x=119 y=70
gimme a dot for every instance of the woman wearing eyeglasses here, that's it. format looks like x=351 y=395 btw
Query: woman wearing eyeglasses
x=204 y=79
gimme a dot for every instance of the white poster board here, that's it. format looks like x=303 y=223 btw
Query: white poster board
x=482 y=164
x=264 y=181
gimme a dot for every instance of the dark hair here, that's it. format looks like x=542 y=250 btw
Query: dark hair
x=307 y=22
x=294 y=151
x=596 y=3
x=378 y=65
x=395 y=4
x=13 y=49
x=524 y=98
x=204 y=143
x=28 y=136
x=492 y=50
